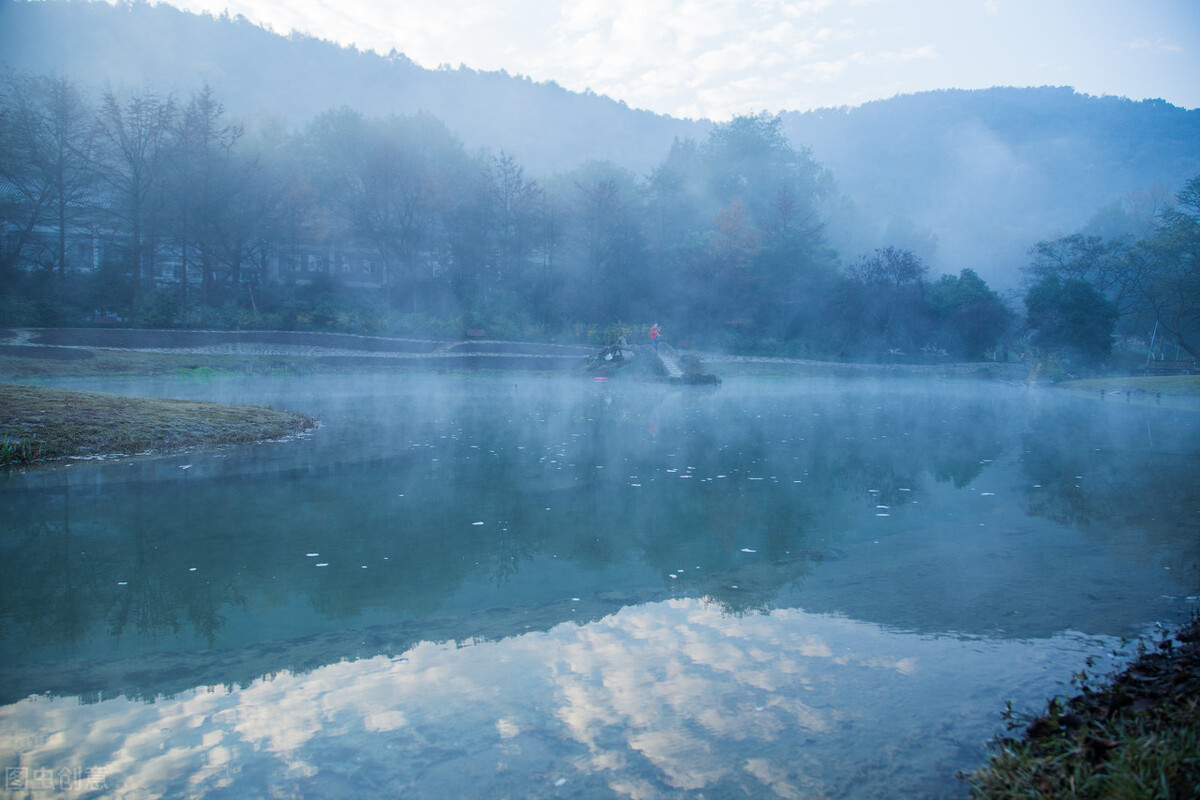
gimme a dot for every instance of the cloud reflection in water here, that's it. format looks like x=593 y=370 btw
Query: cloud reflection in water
x=656 y=700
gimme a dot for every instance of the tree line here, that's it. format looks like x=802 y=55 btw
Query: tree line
x=1136 y=278
x=166 y=213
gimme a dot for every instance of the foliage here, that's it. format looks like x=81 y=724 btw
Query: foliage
x=1071 y=316
x=1132 y=734
x=1152 y=285
x=390 y=225
x=970 y=318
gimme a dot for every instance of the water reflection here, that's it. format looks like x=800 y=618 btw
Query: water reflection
x=598 y=584
x=655 y=700
x=466 y=507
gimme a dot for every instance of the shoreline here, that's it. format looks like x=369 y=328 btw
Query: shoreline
x=1138 y=728
x=1134 y=733
x=42 y=426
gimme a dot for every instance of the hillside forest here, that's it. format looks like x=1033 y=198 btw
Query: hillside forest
x=134 y=207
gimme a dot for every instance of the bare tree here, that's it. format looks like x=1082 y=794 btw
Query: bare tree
x=137 y=136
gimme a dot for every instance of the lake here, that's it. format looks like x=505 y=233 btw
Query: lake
x=521 y=586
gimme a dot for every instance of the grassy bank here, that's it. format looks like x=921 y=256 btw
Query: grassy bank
x=45 y=363
x=1165 y=385
x=1135 y=734
x=43 y=424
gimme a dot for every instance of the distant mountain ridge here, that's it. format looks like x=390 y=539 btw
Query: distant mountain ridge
x=1001 y=167
x=255 y=71
x=964 y=178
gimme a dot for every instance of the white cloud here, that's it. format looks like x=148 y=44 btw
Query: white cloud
x=1157 y=45
x=715 y=58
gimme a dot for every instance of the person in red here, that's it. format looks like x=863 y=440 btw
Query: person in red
x=654 y=334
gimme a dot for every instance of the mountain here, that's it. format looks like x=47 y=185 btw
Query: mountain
x=963 y=178
x=257 y=72
x=990 y=172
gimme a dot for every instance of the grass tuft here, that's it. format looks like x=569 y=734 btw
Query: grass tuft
x=1136 y=735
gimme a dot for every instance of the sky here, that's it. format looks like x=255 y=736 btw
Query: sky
x=716 y=59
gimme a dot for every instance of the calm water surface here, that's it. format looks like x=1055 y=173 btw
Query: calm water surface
x=538 y=586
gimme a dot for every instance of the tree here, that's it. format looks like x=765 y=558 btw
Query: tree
x=515 y=203
x=969 y=316
x=885 y=306
x=1070 y=316
x=46 y=136
x=137 y=138
x=1169 y=286
x=205 y=182
x=1104 y=263
x=607 y=244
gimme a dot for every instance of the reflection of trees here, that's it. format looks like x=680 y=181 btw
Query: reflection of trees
x=1105 y=473
x=49 y=560
x=551 y=479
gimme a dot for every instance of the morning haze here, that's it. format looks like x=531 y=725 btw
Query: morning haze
x=764 y=456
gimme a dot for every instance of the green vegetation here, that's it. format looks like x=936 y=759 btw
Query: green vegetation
x=1134 y=735
x=39 y=424
x=1173 y=385
x=790 y=235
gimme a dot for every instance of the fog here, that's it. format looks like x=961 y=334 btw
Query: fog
x=489 y=570
x=985 y=174
x=606 y=583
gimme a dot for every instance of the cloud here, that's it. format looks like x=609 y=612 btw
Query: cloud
x=677 y=694
x=1157 y=45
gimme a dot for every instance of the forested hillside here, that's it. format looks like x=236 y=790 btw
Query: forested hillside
x=972 y=177
x=163 y=168
x=297 y=77
x=962 y=178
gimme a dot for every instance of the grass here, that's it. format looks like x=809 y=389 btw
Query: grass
x=1135 y=735
x=41 y=424
x=1177 y=385
x=126 y=363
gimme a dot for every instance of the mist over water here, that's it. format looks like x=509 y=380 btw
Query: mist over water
x=526 y=584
